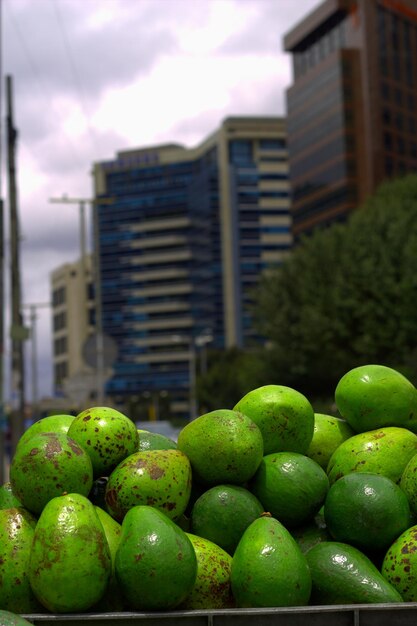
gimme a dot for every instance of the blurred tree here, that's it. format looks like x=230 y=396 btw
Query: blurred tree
x=347 y=295
x=231 y=374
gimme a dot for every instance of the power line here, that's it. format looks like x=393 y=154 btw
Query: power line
x=43 y=89
x=73 y=69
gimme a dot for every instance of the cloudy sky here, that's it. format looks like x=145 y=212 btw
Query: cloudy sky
x=91 y=77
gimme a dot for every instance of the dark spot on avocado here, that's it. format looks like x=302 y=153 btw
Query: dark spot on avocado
x=86 y=418
x=34 y=451
x=75 y=448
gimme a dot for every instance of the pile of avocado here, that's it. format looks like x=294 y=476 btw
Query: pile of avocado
x=266 y=504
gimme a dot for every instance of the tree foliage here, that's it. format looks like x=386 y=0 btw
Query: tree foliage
x=347 y=295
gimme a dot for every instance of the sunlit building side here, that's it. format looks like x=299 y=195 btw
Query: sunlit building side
x=184 y=234
x=352 y=107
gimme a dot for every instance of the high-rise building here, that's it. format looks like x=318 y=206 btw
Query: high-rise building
x=352 y=107
x=184 y=235
x=73 y=313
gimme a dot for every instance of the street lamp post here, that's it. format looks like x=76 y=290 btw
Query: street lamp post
x=34 y=361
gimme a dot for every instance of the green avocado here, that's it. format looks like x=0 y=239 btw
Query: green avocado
x=113 y=598
x=8 y=618
x=268 y=567
x=49 y=465
x=285 y=417
x=373 y=396
x=7 y=497
x=400 y=564
x=107 y=435
x=16 y=535
x=154 y=441
x=70 y=562
x=342 y=574
x=49 y=424
x=212 y=589
x=384 y=451
x=159 y=478
x=223 y=513
x=156 y=566
x=224 y=447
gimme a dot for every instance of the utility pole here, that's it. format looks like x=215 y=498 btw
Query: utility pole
x=97 y=280
x=3 y=420
x=18 y=332
x=34 y=361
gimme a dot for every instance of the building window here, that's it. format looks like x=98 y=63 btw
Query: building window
x=61 y=372
x=240 y=152
x=58 y=296
x=60 y=321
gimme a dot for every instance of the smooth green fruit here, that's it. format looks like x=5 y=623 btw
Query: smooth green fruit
x=222 y=514
x=156 y=565
x=291 y=486
x=342 y=574
x=7 y=618
x=374 y=396
x=49 y=424
x=70 y=562
x=154 y=441
x=212 y=589
x=329 y=433
x=368 y=511
x=159 y=478
x=268 y=567
x=106 y=435
x=112 y=599
x=309 y=535
x=16 y=535
x=408 y=483
x=285 y=417
x=223 y=447
x=399 y=566
x=384 y=451
x=49 y=465
x=7 y=498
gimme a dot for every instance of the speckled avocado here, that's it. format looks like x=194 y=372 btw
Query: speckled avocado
x=107 y=435
x=342 y=574
x=16 y=535
x=158 y=478
x=383 y=451
x=212 y=589
x=285 y=417
x=223 y=446
x=268 y=567
x=156 y=566
x=49 y=424
x=70 y=562
x=49 y=465
x=7 y=497
x=399 y=566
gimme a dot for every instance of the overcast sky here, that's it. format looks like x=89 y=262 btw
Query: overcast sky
x=92 y=77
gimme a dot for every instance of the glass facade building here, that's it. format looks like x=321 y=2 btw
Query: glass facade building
x=184 y=234
x=352 y=105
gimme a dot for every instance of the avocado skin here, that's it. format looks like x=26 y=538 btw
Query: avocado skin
x=158 y=478
x=8 y=618
x=268 y=567
x=156 y=566
x=342 y=574
x=70 y=562
x=16 y=535
x=400 y=564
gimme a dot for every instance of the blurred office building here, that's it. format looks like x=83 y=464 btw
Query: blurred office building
x=352 y=107
x=184 y=234
x=73 y=321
